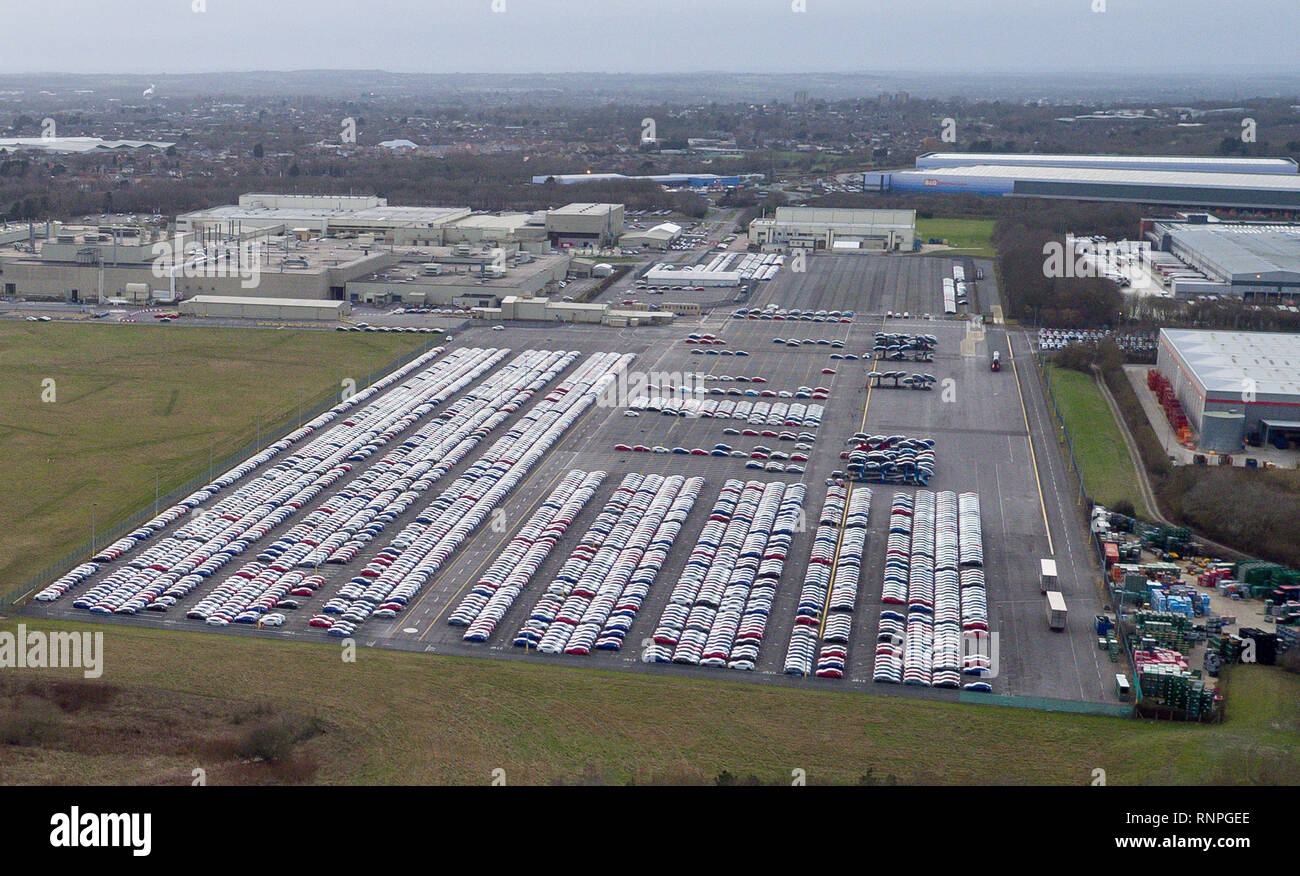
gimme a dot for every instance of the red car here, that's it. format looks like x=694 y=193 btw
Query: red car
x=828 y=371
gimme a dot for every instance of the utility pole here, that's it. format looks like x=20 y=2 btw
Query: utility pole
x=93 y=506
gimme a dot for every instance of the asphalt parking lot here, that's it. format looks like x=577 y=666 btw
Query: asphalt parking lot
x=976 y=418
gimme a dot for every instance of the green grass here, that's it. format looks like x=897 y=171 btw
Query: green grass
x=130 y=400
x=971 y=236
x=1108 y=472
x=400 y=717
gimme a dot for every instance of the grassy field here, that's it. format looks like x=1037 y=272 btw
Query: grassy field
x=971 y=236
x=127 y=401
x=1108 y=472
x=169 y=702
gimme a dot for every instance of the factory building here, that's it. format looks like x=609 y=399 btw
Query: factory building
x=584 y=225
x=1235 y=387
x=371 y=220
x=239 y=307
x=104 y=265
x=458 y=276
x=339 y=216
x=1197 y=188
x=1253 y=260
x=834 y=229
x=1184 y=163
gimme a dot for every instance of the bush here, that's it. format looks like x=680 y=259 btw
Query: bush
x=23 y=730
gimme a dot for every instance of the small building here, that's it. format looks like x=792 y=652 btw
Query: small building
x=835 y=229
x=661 y=237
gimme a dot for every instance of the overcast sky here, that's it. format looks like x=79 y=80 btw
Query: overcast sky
x=647 y=36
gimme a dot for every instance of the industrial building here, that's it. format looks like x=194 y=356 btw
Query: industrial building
x=1183 y=163
x=77 y=145
x=840 y=230
x=667 y=276
x=371 y=220
x=661 y=236
x=107 y=264
x=584 y=225
x=332 y=215
x=1198 y=188
x=525 y=230
x=460 y=277
x=238 y=307
x=547 y=310
x=1234 y=386
x=670 y=180
x=1253 y=260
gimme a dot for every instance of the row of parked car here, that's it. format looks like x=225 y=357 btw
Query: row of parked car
x=1138 y=343
x=804 y=636
x=423 y=547
x=356 y=516
x=944 y=634
x=780 y=313
x=204 y=542
x=766 y=413
x=284 y=490
x=718 y=610
x=514 y=568
x=595 y=597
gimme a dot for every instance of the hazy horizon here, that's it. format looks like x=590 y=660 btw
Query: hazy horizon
x=555 y=37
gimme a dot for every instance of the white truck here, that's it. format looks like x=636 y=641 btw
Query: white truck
x=1047 y=577
x=1056 y=611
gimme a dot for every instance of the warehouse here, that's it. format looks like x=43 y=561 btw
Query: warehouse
x=1185 y=163
x=1235 y=387
x=825 y=228
x=1269 y=191
x=663 y=276
x=1254 y=260
x=661 y=236
x=77 y=145
x=236 y=307
x=583 y=225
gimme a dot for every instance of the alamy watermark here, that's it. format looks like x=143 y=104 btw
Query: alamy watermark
x=241 y=260
x=1119 y=260
x=41 y=649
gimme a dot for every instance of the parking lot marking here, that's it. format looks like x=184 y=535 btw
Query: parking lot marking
x=490 y=554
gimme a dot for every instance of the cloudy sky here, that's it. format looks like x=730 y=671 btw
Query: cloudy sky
x=650 y=36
